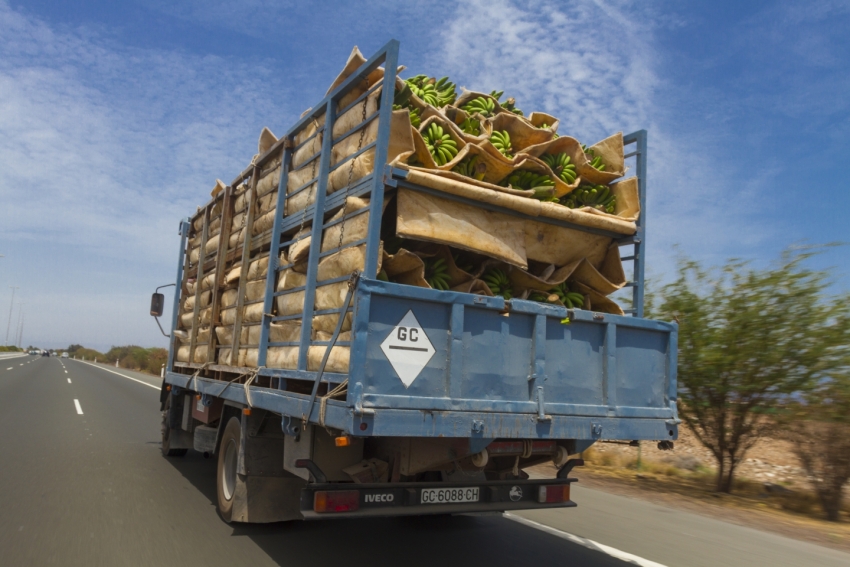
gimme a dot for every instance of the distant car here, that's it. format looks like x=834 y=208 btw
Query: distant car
x=45 y=353
x=64 y=355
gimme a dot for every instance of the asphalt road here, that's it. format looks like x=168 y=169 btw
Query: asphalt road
x=92 y=488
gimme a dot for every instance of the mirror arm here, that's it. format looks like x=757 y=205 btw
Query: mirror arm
x=160 y=327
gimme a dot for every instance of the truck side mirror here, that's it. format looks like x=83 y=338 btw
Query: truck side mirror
x=157 y=304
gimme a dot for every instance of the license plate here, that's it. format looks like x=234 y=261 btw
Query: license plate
x=449 y=495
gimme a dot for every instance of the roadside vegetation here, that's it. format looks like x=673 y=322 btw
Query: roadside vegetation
x=763 y=352
x=131 y=357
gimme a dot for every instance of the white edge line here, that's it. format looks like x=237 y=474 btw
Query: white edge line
x=122 y=375
x=69 y=380
x=590 y=544
x=79 y=409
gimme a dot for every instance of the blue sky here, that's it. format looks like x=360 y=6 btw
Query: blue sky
x=117 y=117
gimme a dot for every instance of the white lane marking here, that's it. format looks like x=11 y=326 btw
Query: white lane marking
x=589 y=543
x=10 y=368
x=123 y=375
x=21 y=364
x=69 y=380
x=79 y=409
x=66 y=372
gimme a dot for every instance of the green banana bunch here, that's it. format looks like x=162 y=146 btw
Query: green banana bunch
x=482 y=105
x=595 y=160
x=440 y=144
x=595 y=196
x=446 y=93
x=498 y=282
x=572 y=299
x=471 y=167
x=437 y=273
x=542 y=297
x=424 y=88
x=561 y=165
x=509 y=105
x=502 y=140
x=543 y=186
x=471 y=126
x=402 y=100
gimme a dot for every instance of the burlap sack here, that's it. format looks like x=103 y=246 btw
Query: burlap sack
x=424 y=217
x=299 y=250
x=401 y=141
x=608 y=278
x=309 y=129
x=290 y=279
x=598 y=302
x=327 y=323
x=523 y=280
x=521 y=132
x=237 y=238
x=201 y=354
x=448 y=128
x=267 y=202
x=344 y=336
x=355 y=61
x=263 y=223
x=457 y=116
x=258 y=268
x=242 y=197
x=337 y=361
x=189 y=302
x=356 y=228
x=268 y=182
x=405 y=267
x=255 y=290
x=215 y=226
x=544 y=121
x=285 y=332
x=282 y=357
x=306 y=151
x=354 y=115
x=611 y=151
x=206 y=283
x=290 y=304
x=564 y=144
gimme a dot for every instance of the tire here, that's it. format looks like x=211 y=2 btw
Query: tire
x=167 y=451
x=226 y=475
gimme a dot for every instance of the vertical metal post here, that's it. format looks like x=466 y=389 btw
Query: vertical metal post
x=175 y=310
x=376 y=202
x=274 y=254
x=640 y=237
x=316 y=233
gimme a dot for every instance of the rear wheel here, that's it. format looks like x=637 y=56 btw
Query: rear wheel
x=166 y=434
x=228 y=456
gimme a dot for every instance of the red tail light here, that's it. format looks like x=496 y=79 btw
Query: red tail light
x=336 y=501
x=552 y=494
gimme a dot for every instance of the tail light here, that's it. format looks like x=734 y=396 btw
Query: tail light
x=336 y=500
x=553 y=494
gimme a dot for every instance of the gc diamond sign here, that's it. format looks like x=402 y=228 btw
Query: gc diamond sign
x=408 y=348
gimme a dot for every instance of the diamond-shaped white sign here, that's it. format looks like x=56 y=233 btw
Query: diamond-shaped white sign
x=408 y=349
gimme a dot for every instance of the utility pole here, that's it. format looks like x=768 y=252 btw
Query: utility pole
x=20 y=322
x=21 y=330
x=11 y=306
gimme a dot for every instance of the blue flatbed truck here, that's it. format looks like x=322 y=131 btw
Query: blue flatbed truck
x=501 y=384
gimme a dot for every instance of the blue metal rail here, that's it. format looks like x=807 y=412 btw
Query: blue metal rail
x=498 y=370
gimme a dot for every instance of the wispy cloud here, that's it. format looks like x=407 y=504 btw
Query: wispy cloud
x=103 y=148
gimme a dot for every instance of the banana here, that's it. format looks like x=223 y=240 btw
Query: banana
x=441 y=145
x=481 y=105
x=543 y=186
x=562 y=166
x=502 y=142
x=471 y=167
x=382 y=276
x=437 y=273
x=471 y=126
x=498 y=282
x=598 y=197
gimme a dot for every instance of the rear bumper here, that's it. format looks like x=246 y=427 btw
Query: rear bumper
x=406 y=499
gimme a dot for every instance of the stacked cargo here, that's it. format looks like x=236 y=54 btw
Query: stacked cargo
x=475 y=147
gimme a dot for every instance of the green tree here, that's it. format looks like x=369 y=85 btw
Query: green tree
x=748 y=340
x=819 y=428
